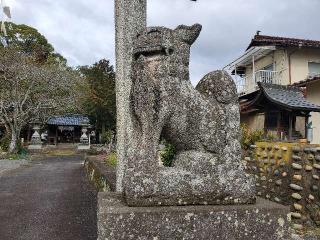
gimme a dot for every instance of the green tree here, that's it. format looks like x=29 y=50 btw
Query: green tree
x=100 y=103
x=28 y=40
x=32 y=92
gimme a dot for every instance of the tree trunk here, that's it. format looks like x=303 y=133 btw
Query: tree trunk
x=8 y=131
x=13 y=143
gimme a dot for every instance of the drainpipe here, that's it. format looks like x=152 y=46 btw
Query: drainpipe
x=253 y=70
x=289 y=60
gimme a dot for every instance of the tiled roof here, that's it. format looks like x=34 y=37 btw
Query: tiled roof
x=263 y=40
x=288 y=97
x=68 y=120
x=304 y=83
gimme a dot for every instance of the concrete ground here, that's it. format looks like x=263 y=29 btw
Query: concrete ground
x=7 y=165
x=48 y=199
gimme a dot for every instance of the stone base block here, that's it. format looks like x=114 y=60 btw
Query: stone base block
x=263 y=220
x=83 y=147
x=35 y=147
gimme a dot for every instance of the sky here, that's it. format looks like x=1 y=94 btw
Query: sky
x=83 y=30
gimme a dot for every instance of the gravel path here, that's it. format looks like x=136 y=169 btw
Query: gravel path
x=49 y=199
x=7 y=165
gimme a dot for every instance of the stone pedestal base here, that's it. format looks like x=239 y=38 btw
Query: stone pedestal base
x=263 y=220
x=35 y=147
x=83 y=147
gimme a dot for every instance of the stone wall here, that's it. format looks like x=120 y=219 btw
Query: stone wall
x=288 y=173
x=103 y=177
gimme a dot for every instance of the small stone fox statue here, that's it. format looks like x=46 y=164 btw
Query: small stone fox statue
x=202 y=123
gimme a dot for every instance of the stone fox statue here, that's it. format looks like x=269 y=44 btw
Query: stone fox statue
x=202 y=123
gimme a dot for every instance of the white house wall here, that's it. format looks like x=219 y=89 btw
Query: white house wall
x=299 y=63
x=313 y=95
x=279 y=59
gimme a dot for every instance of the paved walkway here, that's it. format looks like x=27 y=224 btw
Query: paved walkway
x=7 y=165
x=49 y=199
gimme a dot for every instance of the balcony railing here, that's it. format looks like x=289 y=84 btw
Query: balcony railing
x=248 y=84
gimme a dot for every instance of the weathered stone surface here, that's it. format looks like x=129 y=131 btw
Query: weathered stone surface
x=316 y=166
x=83 y=147
x=277 y=199
x=311 y=197
x=296 y=149
x=263 y=220
x=308 y=168
x=297 y=226
x=307 y=150
x=202 y=123
x=296 y=215
x=297 y=177
x=35 y=147
x=130 y=19
x=101 y=175
x=296 y=196
x=296 y=158
x=297 y=206
x=276 y=173
x=296 y=187
x=296 y=166
x=313 y=150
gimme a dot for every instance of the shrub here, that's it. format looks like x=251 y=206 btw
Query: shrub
x=167 y=154
x=270 y=137
x=4 y=143
x=249 y=137
x=112 y=159
x=106 y=137
x=92 y=151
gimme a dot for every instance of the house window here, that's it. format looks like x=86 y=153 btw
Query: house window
x=314 y=69
x=269 y=68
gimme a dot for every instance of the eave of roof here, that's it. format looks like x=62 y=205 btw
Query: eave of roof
x=286 y=97
x=246 y=58
x=68 y=120
x=262 y=45
x=264 y=40
x=307 y=81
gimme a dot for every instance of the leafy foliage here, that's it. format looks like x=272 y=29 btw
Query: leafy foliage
x=29 y=41
x=106 y=137
x=249 y=137
x=4 y=143
x=100 y=101
x=31 y=92
x=167 y=154
x=112 y=159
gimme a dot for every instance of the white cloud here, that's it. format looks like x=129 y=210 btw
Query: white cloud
x=83 y=30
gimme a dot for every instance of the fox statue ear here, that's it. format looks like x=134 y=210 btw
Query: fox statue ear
x=188 y=34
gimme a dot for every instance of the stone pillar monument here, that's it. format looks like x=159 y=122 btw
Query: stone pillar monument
x=130 y=19
x=36 y=143
x=84 y=139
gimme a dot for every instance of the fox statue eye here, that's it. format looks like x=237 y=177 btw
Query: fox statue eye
x=188 y=34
